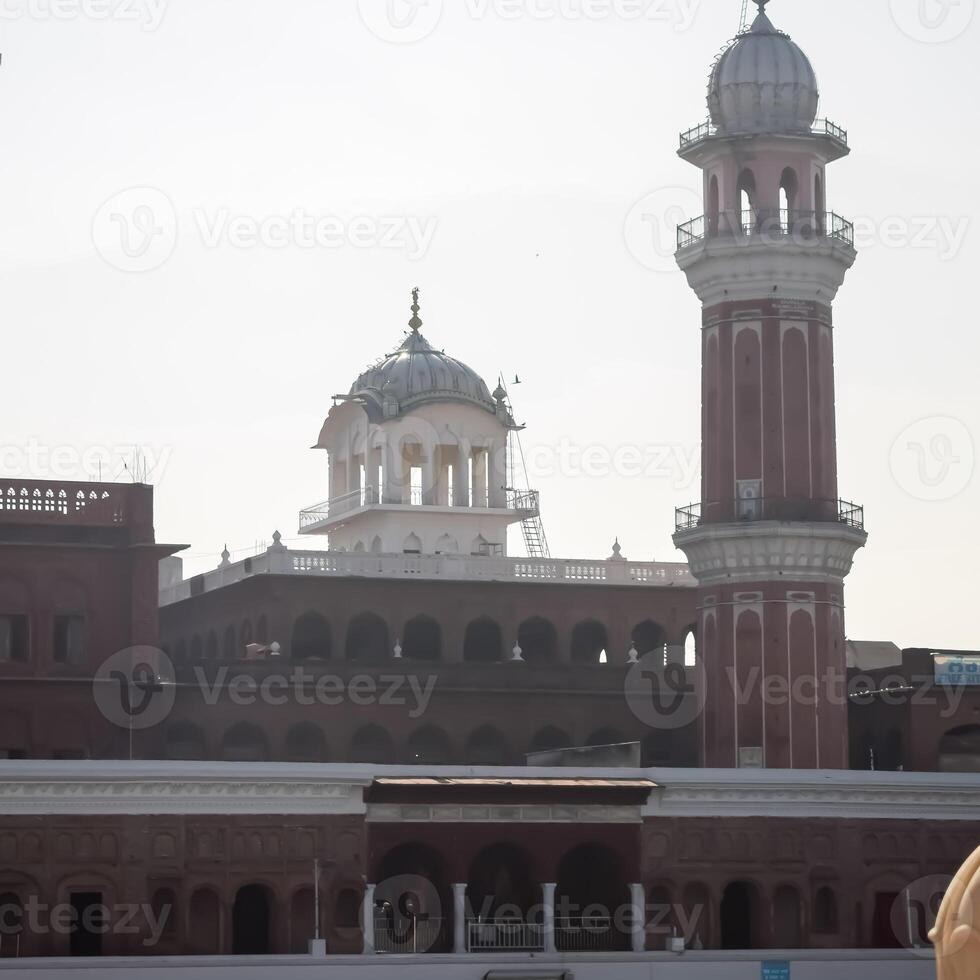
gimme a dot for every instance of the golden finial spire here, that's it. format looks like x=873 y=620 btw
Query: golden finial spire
x=415 y=323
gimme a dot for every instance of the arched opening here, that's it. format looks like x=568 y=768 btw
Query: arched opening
x=244 y=743
x=377 y=547
x=230 y=649
x=413 y=904
x=487 y=747
x=429 y=746
x=786 y=918
x=205 y=923
x=503 y=895
x=422 y=640
x=412 y=545
x=691 y=648
x=252 y=922
x=211 y=646
x=367 y=639
x=184 y=741
x=372 y=745
x=650 y=638
x=447 y=545
x=538 y=640
x=550 y=739
x=739 y=916
x=959 y=750
x=712 y=208
x=347 y=910
x=359 y=548
x=825 y=911
x=746 y=196
x=789 y=191
x=592 y=891
x=306 y=743
x=697 y=906
x=483 y=642
x=165 y=913
x=302 y=920
x=589 y=642
x=312 y=638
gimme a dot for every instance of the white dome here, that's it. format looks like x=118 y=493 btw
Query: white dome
x=763 y=83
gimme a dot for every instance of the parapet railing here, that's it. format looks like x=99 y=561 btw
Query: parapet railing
x=767 y=225
x=770 y=509
x=30 y=502
x=821 y=127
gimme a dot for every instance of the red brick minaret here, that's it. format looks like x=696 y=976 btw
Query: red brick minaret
x=771 y=542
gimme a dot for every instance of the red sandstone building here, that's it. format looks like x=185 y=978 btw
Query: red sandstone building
x=447 y=749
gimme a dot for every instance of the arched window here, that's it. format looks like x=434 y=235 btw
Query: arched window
x=429 y=746
x=347 y=910
x=501 y=883
x=589 y=642
x=549 y=739
x=412 y=545
x=959 y=750
x=184 y=741
x=205 y=923
x=367 y=639
x=787 y=926
x=230 y=650
x=422 y=640
x=691 y=648
x=252 y=922
x=483 y=642
x=739 y=916
x=825 y=911
x=789 y=190
x=312 y=639
x=487 y=747
x=745 y=193
x=372 y=745
x=538 y=640
x=305 y=743
x=244 y=743
x=447 y=545
x=713 y=206
x=650 y=638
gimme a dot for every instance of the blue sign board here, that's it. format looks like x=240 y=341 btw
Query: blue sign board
x=957 y=671
x=775 y=971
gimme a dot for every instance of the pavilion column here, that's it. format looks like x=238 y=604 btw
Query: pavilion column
x=367 y=917
x=459 y=918
x=497 y=467
x=548 y=893
x=638 y=899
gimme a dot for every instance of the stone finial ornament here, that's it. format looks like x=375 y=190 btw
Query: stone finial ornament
x=957 y=932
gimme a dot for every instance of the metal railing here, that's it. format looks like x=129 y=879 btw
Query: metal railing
x=504 y=936
x=587 y=934
x=821 y=127
x=413 y=936
x=770 y=509
x=763 y=225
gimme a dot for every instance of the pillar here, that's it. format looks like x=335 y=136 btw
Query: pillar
x=367 y=919
x=548 y=894
x=459 y=918
x=498 y=473
x=638 y=899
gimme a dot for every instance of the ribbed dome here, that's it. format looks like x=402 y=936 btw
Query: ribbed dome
x=418 y=372
x=763 y=83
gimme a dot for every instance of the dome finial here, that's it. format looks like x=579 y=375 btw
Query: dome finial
x=415 y=323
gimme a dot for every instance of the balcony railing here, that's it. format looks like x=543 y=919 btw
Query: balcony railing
x=771 y=509
x=803 y=227
x=414 y=936
x=504 y=936
x=588 y=934
x=821 y=127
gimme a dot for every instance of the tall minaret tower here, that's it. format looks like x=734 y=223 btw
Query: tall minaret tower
x=772 y=542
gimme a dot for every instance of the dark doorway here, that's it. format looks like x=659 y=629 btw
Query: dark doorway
x=250 y=922
x=367 y=639
x=738 y=917
x=483 y=643
x=423 y=639
x=89 y=919
x=882 y=928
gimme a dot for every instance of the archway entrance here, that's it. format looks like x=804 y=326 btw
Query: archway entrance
x=251 y=922
x=592 y=892
x=738 y=917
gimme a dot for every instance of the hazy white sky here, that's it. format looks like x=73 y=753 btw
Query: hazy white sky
x=517 y=162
